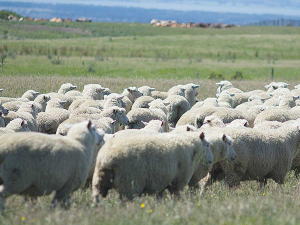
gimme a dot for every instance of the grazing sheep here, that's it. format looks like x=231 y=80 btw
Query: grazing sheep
x=16 y=125
x=142 y=102
x=27 y=111
x=221 y=147
x=137 y=165
x=146 y=90
x=53 y=116
x=177 y=107
x=156 y=111
x=260 y=154
x=34 y=164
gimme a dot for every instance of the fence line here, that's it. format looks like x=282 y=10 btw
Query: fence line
x=278 y=22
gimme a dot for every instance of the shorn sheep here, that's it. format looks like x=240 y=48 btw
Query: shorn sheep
x=34 y=164
x=149 y=164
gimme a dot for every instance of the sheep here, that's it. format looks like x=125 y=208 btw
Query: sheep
x=259 y=155
x=177 y=107
x=287 y=101
x=84 y=111
x=209 y=102
x=16 y=125
x=252 y=101
x=130 y=95
x=117 y=114
x=137 y=165
x=227 y=115
x=275 y=85
x=156 y=111
x=212 y=121
x=266 y=125
x=159 y=95
x=226 y=85
x=225 y=99
x=191 y=92
x=27 y=111
x=142 y=102
x=114 y=100
x=154 y=126
x=280 y=115
x=29 y=95
x=196 y=117
x=34 y=164
x=175 y=90
x=146 y=90
x=242 y=123
x=221 y=147
x=53 y=116
x=62 y=94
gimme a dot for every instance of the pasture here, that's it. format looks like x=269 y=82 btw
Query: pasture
x=122 y=55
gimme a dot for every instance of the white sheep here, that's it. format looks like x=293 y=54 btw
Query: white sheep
x=142 y=102
x=146 y=90
x=259 y=154
x=130 y=95
x=16 y=125
x=53 y=116
x=156 y=111
x=137 y=165
x=191 y=92
x=221 y=147
x=29 y=95
x=35 y=164
x=183 y=128
x=225 y=99
x=27 y=111
x=177 y=107
x=280 y=115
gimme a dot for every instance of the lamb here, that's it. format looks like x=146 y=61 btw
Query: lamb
x=221 y=147
x=142 y=102
x=177 y=107
x=130 y=95
x=146 y=90
x=53 y=116
x=34 y=164
x=27 y=111
x=16 y=125
x=260 y=155
x=136 y=165
x=156 y=111
x=154 y=126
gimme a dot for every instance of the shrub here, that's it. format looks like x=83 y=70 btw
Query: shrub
x=214 y=76
x=238 y=76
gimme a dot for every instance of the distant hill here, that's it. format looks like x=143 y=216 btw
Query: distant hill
x=129 y=14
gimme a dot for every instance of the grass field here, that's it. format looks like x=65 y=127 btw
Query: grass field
x=122 y=55
x=139 y=50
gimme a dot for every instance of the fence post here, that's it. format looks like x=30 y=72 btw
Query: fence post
x=272 y=73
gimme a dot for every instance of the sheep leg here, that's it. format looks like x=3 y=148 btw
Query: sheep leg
x=62 y=195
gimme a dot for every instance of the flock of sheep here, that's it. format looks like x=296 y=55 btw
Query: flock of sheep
x=145 y=141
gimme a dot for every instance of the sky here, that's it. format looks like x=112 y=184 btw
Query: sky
x=282 y=7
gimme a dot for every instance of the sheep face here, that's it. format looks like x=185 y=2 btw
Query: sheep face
x=135 y=92
x=229 y=149
x=208 y=159
x=64 y=88
x=3 y=110
x=121 y=117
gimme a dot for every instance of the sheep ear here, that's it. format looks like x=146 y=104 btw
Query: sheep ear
x=162 y=123
x=120 y=97
x=218 y=84
x=231 y=95
x=128 y=89
x=44 y=97
x=267 y=86
x=22 y=123
x=152 y=89
x=196 y=86
x=246 y=124
x=166 y=103
x=202 y=136
x=63 y=102
x=113 y=121
x=89 y=124
x=224 y=137
x=188 y=129
x=295 y=98
x=208 y=121
x=37 y=93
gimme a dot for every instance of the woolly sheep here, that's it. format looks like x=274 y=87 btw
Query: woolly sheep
x=16 y=125
x=212 y=121
x=27 y=111
x=159 y=95
x=154 y=126
x=275 y=85
x=191 y=92
x=53 y=116
x=23 y=172
x=183 y=128
x=137 y=165
x=221 y=147
x=114 y=100
x=259 y=155
x=242 y=123
x=142 y=102
x=29 y=95
x=177 y=107
x=225 y=99
x=156 y=111
x=146 y=90
x=226 y=85
x=130 y=95
x=280 y=115
x=196 y=117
